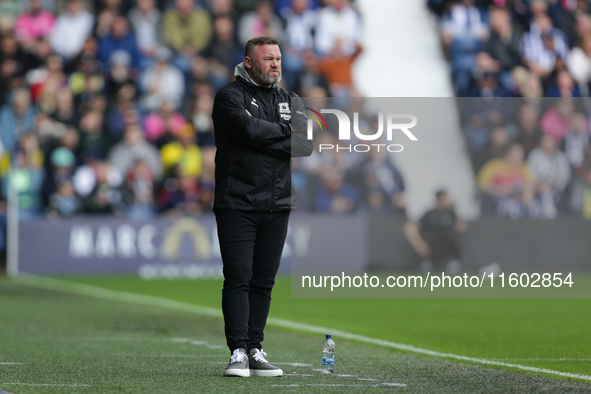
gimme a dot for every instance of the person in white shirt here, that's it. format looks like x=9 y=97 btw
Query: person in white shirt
x=300 y=23
x=71 y=29
x=542 y=45
x=338 y=20
x=579 y=62
x=463 y=22
x=551 y=169
x=145 y=18
x=162 y=82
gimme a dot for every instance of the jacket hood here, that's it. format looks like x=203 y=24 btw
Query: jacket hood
x=240 y=71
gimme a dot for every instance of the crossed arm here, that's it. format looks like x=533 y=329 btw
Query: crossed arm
x=245 y=128
x=297 y=144
x=275 y=139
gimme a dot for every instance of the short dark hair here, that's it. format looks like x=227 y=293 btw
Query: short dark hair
x=440 y=193
x=255 y=42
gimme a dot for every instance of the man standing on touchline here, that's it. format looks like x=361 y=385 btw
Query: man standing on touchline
x=256 y=134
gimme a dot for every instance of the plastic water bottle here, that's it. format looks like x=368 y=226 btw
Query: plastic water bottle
x=328 y=355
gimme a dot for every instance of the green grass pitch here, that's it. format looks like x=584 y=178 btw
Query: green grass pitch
x=57 y=342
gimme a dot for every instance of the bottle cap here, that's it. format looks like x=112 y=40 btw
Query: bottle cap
x=328 y=336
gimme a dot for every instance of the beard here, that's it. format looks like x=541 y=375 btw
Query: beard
x=259 y=76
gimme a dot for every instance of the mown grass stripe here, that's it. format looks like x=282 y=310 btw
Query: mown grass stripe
x=115 y=295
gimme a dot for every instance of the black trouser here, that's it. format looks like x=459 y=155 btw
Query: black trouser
x=445 y=246
x=251 y=244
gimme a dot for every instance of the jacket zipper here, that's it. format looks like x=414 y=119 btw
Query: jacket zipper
x=274 y=110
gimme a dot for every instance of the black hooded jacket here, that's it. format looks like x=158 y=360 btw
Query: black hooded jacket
x=254 y=148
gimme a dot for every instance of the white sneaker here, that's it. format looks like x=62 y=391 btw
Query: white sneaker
x=261 y=367
x=238 y=365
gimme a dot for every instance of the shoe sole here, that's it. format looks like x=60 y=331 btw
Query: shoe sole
x=266 y=373
x=242 y=373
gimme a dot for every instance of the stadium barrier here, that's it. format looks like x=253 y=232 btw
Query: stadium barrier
x=187 y=247
x=165 y=248
x=559 y=245
x=161 y=247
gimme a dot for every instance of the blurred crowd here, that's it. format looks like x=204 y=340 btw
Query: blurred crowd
x=105 y=105
x=531 y=156
x=346 y=181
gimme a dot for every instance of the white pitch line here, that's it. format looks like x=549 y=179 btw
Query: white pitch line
x=409 y=348
x=46 y=384
x=297 y=374
x=341 y=385
x=179 y=340
x=544 y=359
x=115 y=295
x=196 y=343
x=180 y=355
